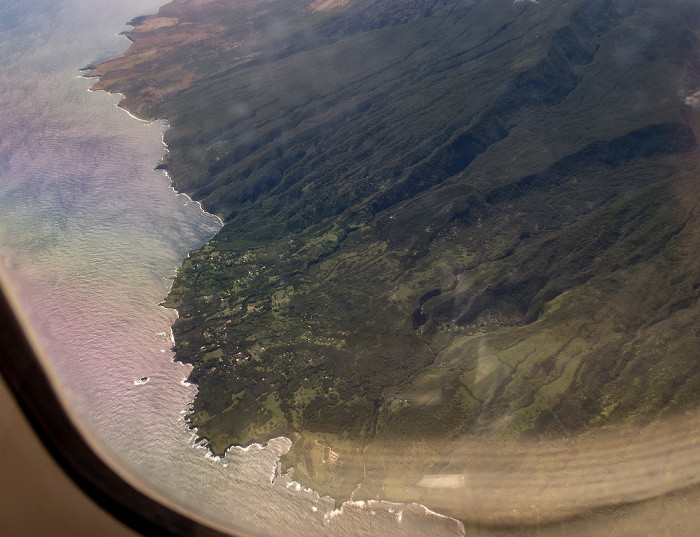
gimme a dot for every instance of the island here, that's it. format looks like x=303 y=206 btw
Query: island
x=447 y=224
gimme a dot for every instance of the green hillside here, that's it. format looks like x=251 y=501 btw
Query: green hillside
x=443 y=221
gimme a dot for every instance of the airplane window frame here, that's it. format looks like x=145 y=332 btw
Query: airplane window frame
x=31 y=385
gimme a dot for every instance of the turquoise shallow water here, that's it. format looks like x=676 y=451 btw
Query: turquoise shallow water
x=91 y=236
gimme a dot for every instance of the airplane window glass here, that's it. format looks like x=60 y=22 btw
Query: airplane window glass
x=368 y=267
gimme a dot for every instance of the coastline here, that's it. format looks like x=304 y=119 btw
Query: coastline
x=198 y=442
x=190 y=200
x=201 y=442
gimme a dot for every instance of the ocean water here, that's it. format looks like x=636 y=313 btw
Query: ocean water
x=90 y=236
